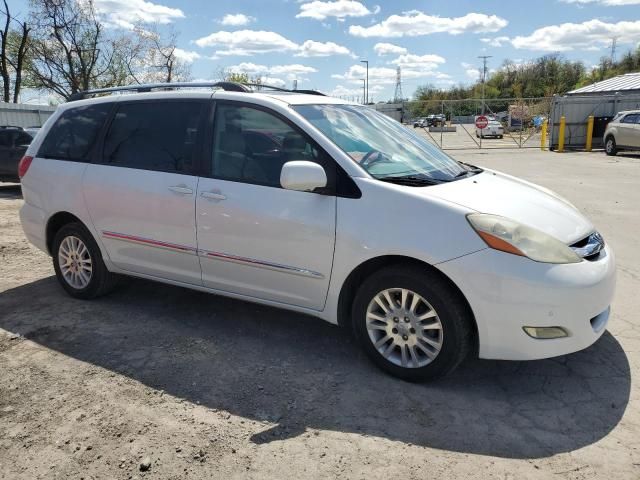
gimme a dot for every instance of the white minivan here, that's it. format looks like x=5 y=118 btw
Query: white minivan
x=313 y=204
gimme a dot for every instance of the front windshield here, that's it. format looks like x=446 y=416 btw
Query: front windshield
x=382 y=146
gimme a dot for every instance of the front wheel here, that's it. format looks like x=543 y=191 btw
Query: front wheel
x=412 y=323
x=78 y=263
x=610 y=146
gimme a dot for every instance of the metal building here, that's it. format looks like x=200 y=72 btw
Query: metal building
x=602 y=100
x=24 y=115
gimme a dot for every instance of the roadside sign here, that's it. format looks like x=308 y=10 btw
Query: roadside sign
x=482 y=122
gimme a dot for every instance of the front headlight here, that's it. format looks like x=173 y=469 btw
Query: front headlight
x=512 y=237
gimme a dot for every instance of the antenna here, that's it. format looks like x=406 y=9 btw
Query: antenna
x=397 y=97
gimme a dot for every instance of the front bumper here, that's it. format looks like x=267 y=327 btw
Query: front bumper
x=507 y=293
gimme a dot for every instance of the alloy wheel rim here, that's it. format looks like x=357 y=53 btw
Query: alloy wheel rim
x=404 y=328
x=609 y=146
x=75 y=262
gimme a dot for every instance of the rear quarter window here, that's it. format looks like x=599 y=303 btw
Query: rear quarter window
x=73 y=135
x=159 y=136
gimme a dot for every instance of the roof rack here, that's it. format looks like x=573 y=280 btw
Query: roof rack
x=148 y=87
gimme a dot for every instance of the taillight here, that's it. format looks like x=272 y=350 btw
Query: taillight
x=23 y=166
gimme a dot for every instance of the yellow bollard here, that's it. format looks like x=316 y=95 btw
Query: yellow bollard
x=543 y=135
x=589 y=133
x=563 y=123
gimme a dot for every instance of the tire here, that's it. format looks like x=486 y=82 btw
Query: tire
x=610 y=147
x=448 y=315
x=500 y=136
x=71 y=267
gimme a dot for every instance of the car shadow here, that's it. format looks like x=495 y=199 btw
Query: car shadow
x=10 y=191
x=295 y=372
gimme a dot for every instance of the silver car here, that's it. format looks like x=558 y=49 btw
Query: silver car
x=623 y=132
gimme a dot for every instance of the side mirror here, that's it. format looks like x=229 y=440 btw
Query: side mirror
x=302 y=176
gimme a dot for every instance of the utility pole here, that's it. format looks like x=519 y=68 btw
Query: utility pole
x=484 y=75
x=366 y=93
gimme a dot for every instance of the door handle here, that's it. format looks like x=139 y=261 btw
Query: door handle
x=213 y=196
x=182 y=189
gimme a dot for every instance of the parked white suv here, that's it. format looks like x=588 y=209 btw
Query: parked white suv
x=321 y=206
x=623 y=132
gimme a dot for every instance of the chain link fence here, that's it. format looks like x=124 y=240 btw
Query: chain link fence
x=450 y=124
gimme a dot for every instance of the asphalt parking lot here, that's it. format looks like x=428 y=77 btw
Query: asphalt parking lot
x=207 y=387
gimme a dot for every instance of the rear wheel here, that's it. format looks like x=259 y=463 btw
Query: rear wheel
x=78 y=263
x=610 y=146
x=411 y=323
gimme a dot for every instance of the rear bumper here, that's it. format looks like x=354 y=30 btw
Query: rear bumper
x=34 y=220
x=507 y=293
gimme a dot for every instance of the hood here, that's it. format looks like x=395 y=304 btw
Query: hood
x=535 y=206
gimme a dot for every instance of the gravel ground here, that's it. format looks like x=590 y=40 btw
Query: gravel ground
x=161 y=382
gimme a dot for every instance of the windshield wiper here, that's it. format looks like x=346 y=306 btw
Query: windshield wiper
x=468 y=170
x=411 y=180
x=471 y=168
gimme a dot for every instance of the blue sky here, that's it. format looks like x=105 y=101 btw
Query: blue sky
x=320 y=43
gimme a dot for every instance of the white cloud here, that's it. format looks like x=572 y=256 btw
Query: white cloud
x=342 y=91
x=578 y=36
x=424 y=62
x=126 y=13
x=246 y=42
x=471 y=71
x=388 y=48
x=386 y=75
x=495 y=41
x=251 y=42
x=321 y=49
x=415 y=23
x=273 y=81
x=291 y=71
x=339 y=9
x=608 y=3
x=237 y=19
x=186 y=55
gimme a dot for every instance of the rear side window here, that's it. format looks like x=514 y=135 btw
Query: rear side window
x=73 y=135
x=632 y=118
x=159 y=136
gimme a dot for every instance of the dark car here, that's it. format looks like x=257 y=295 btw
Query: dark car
x=435 y=120
x=13 y=143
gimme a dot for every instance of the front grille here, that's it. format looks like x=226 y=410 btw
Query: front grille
x=589 y=247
